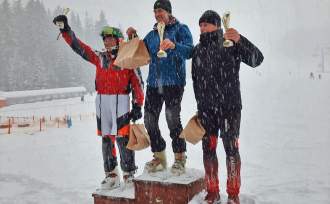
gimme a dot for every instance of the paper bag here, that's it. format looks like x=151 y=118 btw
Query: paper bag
x=138 y=137
x=194 y=131
x=132 y=54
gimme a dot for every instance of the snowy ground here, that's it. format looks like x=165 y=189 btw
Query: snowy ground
x=285 y=135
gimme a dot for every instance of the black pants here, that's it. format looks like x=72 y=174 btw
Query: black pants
x=155 y=98
x=226 y=120
x=127 y=157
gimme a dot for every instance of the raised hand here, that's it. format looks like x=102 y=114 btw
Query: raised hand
x=166 y=44
x=62 y=22
x=232 y=34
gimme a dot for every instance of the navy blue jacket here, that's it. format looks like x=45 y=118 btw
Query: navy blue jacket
x=215 y=71
x=172 y=69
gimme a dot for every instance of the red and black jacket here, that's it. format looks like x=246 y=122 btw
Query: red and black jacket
x=110 y=79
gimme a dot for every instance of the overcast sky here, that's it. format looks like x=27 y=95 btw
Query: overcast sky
x=292 y=29
x=281 y=14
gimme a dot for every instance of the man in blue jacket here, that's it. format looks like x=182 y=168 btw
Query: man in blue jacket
x=165 y=83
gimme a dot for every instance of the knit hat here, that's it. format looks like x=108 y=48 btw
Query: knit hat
x=163 y=4
x=212 y=17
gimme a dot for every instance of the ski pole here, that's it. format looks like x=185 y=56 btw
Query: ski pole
x=61 y=24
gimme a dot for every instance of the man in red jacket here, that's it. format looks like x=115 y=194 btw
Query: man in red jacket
x=113 y=85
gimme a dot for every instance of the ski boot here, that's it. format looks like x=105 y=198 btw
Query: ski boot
x=179 y=164
x=111 y=180
x=128 y=178
x=158 y=163
x=233 y=199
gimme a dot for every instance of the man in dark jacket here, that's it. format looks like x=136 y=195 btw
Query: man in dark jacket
x=215 y=74
x=165 y=84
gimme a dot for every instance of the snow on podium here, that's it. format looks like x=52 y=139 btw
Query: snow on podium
x=155 y=188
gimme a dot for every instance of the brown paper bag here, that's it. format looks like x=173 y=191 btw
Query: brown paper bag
x=132 y=54
x=138 y=137
x=194 y=131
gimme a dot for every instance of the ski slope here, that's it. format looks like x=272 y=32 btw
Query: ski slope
x=285 y=138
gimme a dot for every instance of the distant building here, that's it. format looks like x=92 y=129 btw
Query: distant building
x=21 y=97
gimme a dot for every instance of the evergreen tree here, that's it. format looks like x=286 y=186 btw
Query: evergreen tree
x=16 y=77
x=6 y=43
x=89 y=31
x=31 y=57
x=79 y=26
x=75 y=24
x=98 y=27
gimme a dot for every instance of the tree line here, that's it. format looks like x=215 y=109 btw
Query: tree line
x=31 y=57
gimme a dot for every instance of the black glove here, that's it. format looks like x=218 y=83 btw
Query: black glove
x=136 y=112
x=62 y=19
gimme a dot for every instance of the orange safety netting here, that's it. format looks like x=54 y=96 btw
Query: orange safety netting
x=32 y=124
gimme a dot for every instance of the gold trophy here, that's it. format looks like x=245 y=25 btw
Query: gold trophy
x=225 y=21
x=161 y=29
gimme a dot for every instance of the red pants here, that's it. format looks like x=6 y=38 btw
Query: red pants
x=233 y=163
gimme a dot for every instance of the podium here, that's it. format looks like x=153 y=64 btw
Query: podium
x=155 y=188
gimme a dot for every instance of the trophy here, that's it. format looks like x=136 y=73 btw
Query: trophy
x=161 y=28
x=225 y=21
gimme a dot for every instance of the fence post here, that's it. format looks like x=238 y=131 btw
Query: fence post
x=40 y=124
x=9 y=124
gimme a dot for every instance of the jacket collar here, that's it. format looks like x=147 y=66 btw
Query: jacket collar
x=211 y=37
x=172 y=21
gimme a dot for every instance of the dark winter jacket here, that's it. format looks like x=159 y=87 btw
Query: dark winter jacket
x=109 y=80
x=215 y=70
x=172 y=69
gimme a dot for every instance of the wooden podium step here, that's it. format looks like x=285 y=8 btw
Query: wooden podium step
x=156 y=188
x=117 y=196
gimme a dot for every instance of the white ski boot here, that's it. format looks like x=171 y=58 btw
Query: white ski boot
x=128 y=178
x=158 y=163
x=111 y=180
x=179 y=165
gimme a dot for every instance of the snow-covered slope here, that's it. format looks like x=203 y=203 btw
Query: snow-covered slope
x=284 y=148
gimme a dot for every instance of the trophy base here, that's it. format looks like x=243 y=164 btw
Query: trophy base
x=161 y=54
x=228 y=43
